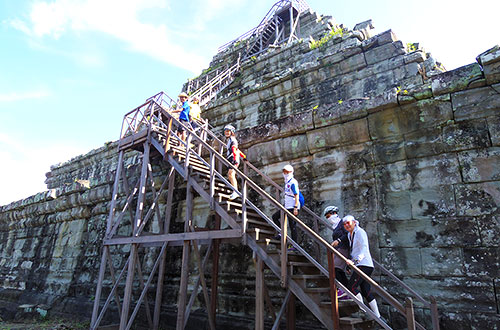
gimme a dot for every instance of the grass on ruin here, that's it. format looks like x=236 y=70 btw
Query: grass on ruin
x=336 y=31
x=45 y=324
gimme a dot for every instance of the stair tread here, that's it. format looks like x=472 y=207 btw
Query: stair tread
x=352 y=320
x=301 y=263
x=309 y=276
x=260 y=230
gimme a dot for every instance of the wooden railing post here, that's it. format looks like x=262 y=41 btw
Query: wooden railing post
x=284 y=259
x=188 y=149
x=333 y=290
x=259 y=294
x=244 y=210
x=434 y=314
x=410 y=316
x=167 y=143
x=212 y=180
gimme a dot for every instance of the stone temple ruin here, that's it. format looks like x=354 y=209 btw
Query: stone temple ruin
x=370 y=124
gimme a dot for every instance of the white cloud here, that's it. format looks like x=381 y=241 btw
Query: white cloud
x=117 y=18
x=23 y=166
x=20 y=96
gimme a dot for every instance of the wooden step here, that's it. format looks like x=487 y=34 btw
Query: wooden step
x=311 y=280
x=257 y=221
x=302 y=267
x=317 y=290
x=356 y=323
x=259 y=234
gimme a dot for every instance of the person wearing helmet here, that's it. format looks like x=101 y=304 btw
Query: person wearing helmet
x=340 y=242
x=183 y=115
x=233 y=155
x=291 y=200
x=360 y=257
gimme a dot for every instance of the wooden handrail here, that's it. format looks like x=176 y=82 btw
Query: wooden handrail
x=214 y=154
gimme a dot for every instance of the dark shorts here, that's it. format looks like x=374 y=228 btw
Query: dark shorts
x=180 y=128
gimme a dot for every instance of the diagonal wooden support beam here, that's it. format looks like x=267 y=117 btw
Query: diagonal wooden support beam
x=127 y=296
x=112 y=272
x=95 y=324
x=181 y=305
x=282 y=310
x=143 y=295
x=203 y=283
x=145 y=289
x=165 y=230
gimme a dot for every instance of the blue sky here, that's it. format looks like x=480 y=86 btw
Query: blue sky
x=70 y=69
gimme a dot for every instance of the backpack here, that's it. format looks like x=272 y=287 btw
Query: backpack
x=302 y=200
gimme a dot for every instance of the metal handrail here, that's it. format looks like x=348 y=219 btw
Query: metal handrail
x=301 y=6
x=217 y=80
x=247 y=181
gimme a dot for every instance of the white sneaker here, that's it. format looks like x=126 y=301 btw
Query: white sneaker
x=233 y=196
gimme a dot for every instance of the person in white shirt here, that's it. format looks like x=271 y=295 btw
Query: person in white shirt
x=233 y=155
x=361 y=258
x=291 y=202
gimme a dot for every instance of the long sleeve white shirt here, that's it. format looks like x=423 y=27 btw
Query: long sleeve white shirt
x=360 y=250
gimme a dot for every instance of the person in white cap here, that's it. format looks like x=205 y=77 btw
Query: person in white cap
x=291 y=200
x=233 y=155
x=360 y=257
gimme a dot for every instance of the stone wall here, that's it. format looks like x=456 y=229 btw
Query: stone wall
x=385 y=134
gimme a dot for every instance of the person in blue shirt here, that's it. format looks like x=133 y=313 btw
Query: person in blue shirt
x=183 y=115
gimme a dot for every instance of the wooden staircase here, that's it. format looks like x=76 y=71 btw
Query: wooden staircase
x=202 y=165
x=305 y=279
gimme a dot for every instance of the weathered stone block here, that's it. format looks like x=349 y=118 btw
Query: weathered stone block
x=420 y=173
x=443 y=232
x=388 y=150
x=384 y=124
x=379 y=40
x=482 y=262
x=476 y=103
x=456 y=80
x=416 y=56
x=352 y=132
x=494 y=129
x=424 y=142
x=347 y=65
x=489 y=225
x=279 y=150
x=480 y=165
x=396 y=205
x=339 y=111
x=466 y=135
x=442 y=262
x=490 y=61
x=449 y=292
x=432 y=202
x=424 y=113
x=384 y=52
x=402 y=261
x=478 y=199
x=279 y=128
